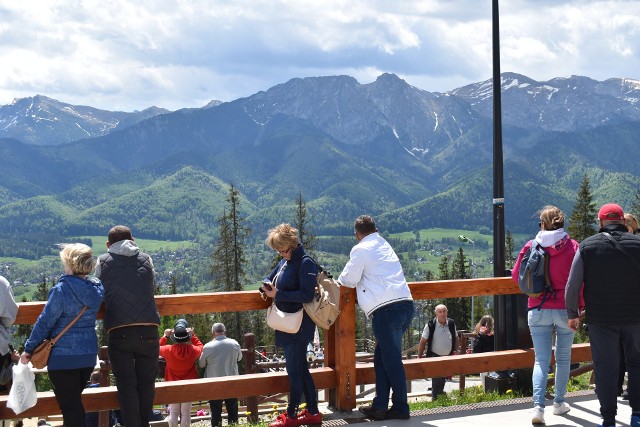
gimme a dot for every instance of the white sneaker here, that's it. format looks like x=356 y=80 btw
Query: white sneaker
x=538 y=415
x=560 y=408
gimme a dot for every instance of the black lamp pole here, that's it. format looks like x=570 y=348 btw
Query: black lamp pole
x=498 y=187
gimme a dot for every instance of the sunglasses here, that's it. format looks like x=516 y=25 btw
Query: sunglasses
x=283 y=252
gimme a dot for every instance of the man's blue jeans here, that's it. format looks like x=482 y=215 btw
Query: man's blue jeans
x=389 y=324
x=541 y=325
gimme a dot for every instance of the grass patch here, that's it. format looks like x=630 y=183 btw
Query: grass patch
x=471 y=395
x=146 y=245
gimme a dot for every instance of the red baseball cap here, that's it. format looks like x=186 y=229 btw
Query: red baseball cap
x=611 y=212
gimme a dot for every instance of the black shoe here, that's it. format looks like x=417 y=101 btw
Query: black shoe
x=392 y=414
x=373 y=413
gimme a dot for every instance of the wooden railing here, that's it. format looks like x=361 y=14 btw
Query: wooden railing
x=340 y=371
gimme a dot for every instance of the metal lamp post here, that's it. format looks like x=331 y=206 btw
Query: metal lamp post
x=465 y=239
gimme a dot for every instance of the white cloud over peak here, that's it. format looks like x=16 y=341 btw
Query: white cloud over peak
x=125 y=55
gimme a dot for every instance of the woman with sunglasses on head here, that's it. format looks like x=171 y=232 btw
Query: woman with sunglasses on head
x=548 y=314
x=292 y=283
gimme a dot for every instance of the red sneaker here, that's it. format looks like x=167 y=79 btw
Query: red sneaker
x=284 y=420
x=306 y=418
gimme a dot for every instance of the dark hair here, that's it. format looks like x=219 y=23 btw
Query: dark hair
x=365 y=225
x=119 y=232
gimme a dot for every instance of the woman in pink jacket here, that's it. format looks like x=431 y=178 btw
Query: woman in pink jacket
x=549 y=314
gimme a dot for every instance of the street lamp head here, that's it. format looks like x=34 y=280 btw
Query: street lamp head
x=464 y=238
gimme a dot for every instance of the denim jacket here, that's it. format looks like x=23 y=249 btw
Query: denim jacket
x=78 y=347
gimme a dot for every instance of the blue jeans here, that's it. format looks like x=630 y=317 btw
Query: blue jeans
x=133 y=352
x=300 y=380
x=389 y=324
x=541 y=325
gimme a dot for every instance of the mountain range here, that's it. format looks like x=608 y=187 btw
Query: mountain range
x=413 y=159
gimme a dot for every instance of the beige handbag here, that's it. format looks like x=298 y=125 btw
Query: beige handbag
x=284 y=322
x=280 y=320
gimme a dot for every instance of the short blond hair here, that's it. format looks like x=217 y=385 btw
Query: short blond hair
x=282 y=236
x=78 y=257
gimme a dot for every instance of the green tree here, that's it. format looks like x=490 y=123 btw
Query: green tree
x=42 y=291
x=509 y=249
x=635 y=206
x=582 y=220
x=459 y=308
x=306 y=236
x=429 y=276
x=228 y=267
x=443 y=269
x=459 y=266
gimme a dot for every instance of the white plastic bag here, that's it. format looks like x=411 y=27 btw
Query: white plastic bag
x=22 y=395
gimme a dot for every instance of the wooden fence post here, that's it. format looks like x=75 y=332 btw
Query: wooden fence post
x=105 y=367
x=345 y=355
x=249 y=356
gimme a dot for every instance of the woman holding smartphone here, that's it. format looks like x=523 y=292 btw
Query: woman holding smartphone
x=292 y=283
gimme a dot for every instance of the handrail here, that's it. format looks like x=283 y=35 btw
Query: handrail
x=340 y=372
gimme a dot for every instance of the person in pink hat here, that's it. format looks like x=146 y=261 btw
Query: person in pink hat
x=607 y=266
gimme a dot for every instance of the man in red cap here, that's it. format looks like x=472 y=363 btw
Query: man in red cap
x=607 y=265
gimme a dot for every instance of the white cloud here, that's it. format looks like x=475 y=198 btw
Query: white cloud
x=117 y=54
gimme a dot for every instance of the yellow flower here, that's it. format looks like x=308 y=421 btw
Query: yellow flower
x=303 y=405
x=509 y=391
x=247 y=413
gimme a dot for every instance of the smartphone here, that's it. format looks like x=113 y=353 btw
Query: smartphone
x=267 y=286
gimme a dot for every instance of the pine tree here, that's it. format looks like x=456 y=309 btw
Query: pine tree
x=306 y=236
x=459 y=266
x=229 y=259
x=509 y=248
x=443 y=269
x=582 y=220
x=42 y=291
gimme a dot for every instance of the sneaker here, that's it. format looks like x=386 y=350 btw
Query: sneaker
x=635 y=421
x=560 y=408
x=372 y=413
x=284 y=420
x=538 y=415
x=306 y=418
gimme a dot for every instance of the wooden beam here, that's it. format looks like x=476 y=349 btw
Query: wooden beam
x=219 y=302
x=104 y=398
x=345 y=351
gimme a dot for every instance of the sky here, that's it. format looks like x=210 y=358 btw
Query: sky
x=126 y=55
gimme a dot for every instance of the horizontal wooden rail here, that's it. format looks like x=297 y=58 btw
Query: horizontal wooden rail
x=218 y=302
x=104 y=398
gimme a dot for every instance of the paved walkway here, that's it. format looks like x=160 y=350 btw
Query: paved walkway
x=585 y=411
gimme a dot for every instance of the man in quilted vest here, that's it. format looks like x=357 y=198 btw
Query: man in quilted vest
x=131 y=319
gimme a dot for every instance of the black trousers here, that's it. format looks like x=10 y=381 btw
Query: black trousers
x=605 y=349
x=133 y=352
x=216 y=411
x=67 y=386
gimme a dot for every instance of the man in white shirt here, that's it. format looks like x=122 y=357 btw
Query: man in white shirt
x=383 y=294
x=220 y=358
x=440 y=339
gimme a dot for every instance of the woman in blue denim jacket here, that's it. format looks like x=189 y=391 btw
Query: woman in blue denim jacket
x=74 y=356
x=290 y=284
